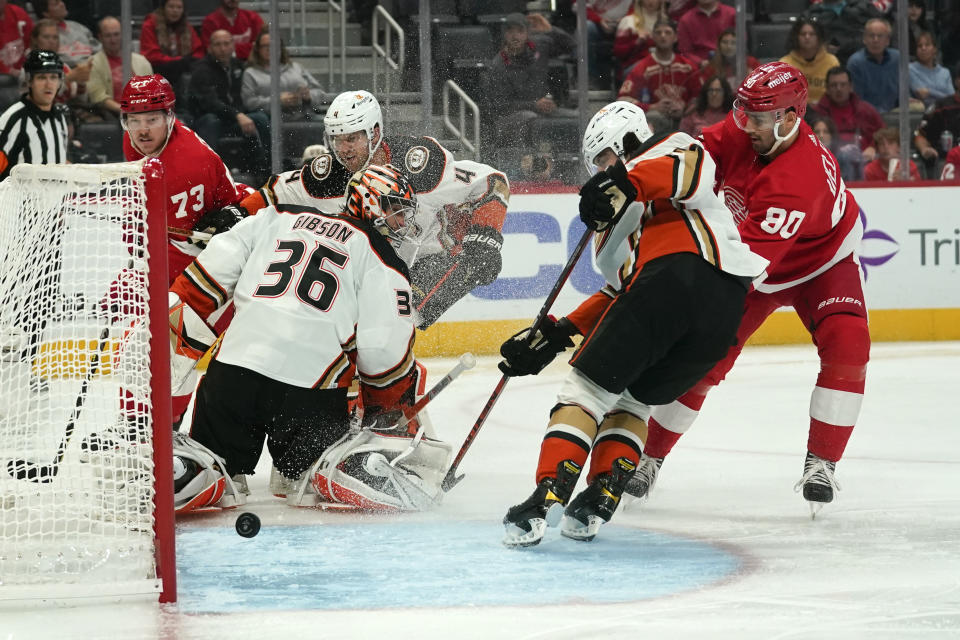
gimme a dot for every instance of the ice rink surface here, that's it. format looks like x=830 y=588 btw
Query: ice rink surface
x=723 y=549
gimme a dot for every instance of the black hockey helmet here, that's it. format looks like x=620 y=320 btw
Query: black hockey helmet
x=41 y=61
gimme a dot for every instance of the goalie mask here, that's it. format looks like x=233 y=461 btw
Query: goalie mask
x=619 y=126
x=383 y=196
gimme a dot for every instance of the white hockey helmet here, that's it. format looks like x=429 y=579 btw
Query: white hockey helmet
x=609 y=128
x=353 y=111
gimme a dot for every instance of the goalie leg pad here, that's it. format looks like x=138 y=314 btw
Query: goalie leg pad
x=383 y=473
x=200 y=483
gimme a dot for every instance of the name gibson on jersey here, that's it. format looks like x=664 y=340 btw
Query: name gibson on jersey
x=323 y=227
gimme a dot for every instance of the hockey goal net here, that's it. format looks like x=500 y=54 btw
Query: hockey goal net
x=86 y=506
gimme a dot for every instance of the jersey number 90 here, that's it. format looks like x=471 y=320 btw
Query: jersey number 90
x=316 y=286
x=781 y=222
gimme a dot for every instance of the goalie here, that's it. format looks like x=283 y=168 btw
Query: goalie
x=319 y=297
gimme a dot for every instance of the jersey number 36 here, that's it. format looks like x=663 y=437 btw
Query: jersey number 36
x=779 y=221
x=316 y=285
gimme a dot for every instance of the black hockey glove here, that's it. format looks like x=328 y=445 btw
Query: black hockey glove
x=523 y=359
x=220 y=220
x=605 y=196
x=480 y=255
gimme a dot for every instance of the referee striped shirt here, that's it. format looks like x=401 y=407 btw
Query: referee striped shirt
x=30 y=134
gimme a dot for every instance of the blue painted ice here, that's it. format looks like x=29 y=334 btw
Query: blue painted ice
x=374 y=565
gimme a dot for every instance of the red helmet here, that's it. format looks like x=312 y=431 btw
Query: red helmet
x=773 y=86
x=147 y=93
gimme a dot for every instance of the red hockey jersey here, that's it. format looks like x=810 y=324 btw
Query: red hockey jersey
x=197 y=182
x=795 y=210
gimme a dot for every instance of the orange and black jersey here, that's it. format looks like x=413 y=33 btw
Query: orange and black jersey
x=676 y=211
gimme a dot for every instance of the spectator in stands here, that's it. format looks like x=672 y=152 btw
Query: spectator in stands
x=939 y=131
x=552 y=41
x=711 y=106
x=809 y=55
x=46 y=36
x=929 y=81
x=856 y=122
x=300 y=93
x=603 y=16
x=169 y=42
x=15 y=28
x=517 y=85
x=676 y=9
x=634 y=37
x=242 y=24
x=215 y=88
x=918 y=23
x=886 y=166
x=77 y=42
x=664 y=81
x=843 y=22
x=106 y=70
x=724 y=60
x=699 y=28
x=824 y=128
x=874 y=69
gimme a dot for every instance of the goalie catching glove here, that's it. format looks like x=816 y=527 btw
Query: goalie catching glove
x=525 y=357
x=605 y=196
x=218 y=221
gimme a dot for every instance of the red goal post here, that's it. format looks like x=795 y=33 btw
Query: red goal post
x=84 y=356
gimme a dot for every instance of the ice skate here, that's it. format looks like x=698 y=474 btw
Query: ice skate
x=817 y=483
x=526 y=522
x=640 y=485
x=596 y=504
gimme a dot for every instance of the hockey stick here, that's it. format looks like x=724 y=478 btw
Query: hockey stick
x=451 y=479
x=28 y=470
x=467 y=361
x=436 y=287
x=189 y=235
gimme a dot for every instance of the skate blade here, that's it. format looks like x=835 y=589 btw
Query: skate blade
x=815 y=508
x=575 y=530
x=514 y=536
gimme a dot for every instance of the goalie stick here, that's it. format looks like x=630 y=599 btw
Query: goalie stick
x=451 y=479
x=29 y=470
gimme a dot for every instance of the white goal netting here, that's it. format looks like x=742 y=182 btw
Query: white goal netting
x=76 y=418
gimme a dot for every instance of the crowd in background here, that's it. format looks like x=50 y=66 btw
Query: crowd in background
x=674 y=58
x=218 y=71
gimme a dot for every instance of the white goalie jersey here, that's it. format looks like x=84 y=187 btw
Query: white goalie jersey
x=317 y=296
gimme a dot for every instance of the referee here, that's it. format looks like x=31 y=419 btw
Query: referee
x=34 y=130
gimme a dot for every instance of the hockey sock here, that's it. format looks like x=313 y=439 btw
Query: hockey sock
x=569 y=436
x=843 y=341
x=621 y=435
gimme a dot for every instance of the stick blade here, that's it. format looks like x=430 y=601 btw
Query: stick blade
x=451 y=480
x=26 y=470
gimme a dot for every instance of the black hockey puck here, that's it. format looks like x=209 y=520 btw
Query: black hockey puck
x=248 y=524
